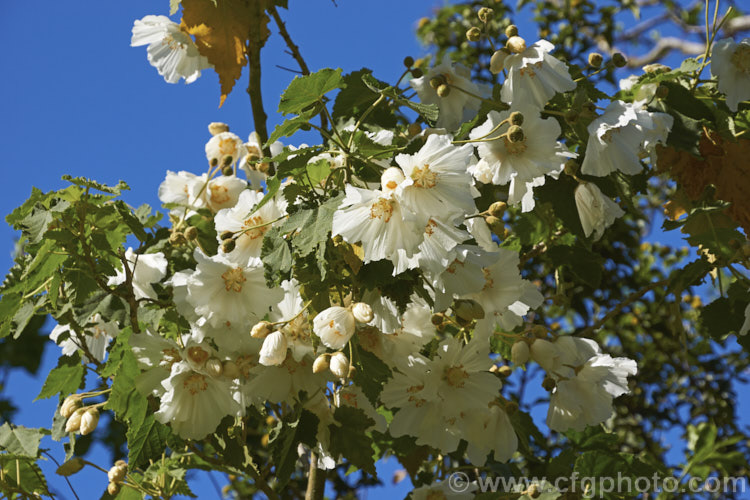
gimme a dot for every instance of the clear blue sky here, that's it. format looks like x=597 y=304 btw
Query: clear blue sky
x=76 y=99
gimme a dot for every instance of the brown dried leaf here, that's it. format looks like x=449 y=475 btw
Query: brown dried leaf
x=223 y=31
x=723 y=163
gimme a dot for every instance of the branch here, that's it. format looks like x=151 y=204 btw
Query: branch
x=622 y=305
x=255 y=43
x=316 y=480
x=288 y=39
x=663 y=47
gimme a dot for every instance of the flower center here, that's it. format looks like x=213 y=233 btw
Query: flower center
x=455 y=376
x=244 y=364
x=170 y=42
x=515 y=148
x=607 y=136
x=233 y=279
x=195 y=383
x=251 y=227
x=429 y=229
x=227 y=146
x=197 y=355
x=488 y=281
x=382 y=209
x=170 y=356
x=436 y=495
x=741 y=58
x=424 y=177
x=219 y=194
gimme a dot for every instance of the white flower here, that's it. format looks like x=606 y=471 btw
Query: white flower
x=335 y=326
x=437 y=249
x=505 y=296
x=489 y=430
x=253 y=150
x=463 y=276
x=730 y=63
x=215 y=194
x=586 y=397
x=145 y=268
x=227 y=294
x=440 y=490
x=296 y=328
x=174 y=190
x=248 y=226
x=524 y=163
x=224 y=149
x=274 y=349
x=95 y=337
x=170 y=50
x=534 y=76
x=378 y=222
x=353 y=396
x=283 y=383
x=437 y=182
x=194 y=403
x=155 y=356
x=596 y=211
x=457 y=106
x=619 y=137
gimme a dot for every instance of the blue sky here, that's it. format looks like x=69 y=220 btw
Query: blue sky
x=77 y=99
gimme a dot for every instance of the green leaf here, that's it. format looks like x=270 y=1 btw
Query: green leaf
x=88 y=183
x=276 y=255
x=146 y=441
x=65 y=379
x=314 y=225
x=585 y=265
x=20 y=440
x=598 y=464
x=23 y=474
x=284 y=443
x=128 y=404
x=371 y=374
x=357 y=97
x=429 y=111
x=348 y=438
x=287 y=128
x=309 y=89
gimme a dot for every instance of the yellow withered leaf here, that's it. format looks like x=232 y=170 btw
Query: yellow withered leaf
x=223 y=31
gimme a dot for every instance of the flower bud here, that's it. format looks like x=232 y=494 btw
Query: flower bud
x=273 y=351
x=89 y=420
x=595 y=60
x=362 y=312
x=414 y=129
x=571 y=116
x=498 y=208
x=619 y=60
x=391 y=178
x=511 y=31
x=437 y=319
x=463 y=310
x=191 y=233
x=473 y=34
x=417 y=73
x=74 y=422
x=352 y=371
x=408 y=61
x=117 y=473
x=214 y=162
x=519 y=353
x=443 y=90
x=339 y=365
x=497 y=60
x=477 y=310
x=177 y=238
x=495 y=224
x=71 y=404
x=516 y=118
x=71 y=467
x=533 y=491
x=515 y=133
x=227 y=170
x=571 y=167
x=321 y=363
x=228 y=246
x=261 y=330
x=214 y=367
x=516 y=44
x=113 y=489
x=230 y=370
x=539 y=331
x=437 y=81
x=216 y=128
x=656 y=68
x=545 y=353
x=485 y=14
x=335 y=326
x=226 y=235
